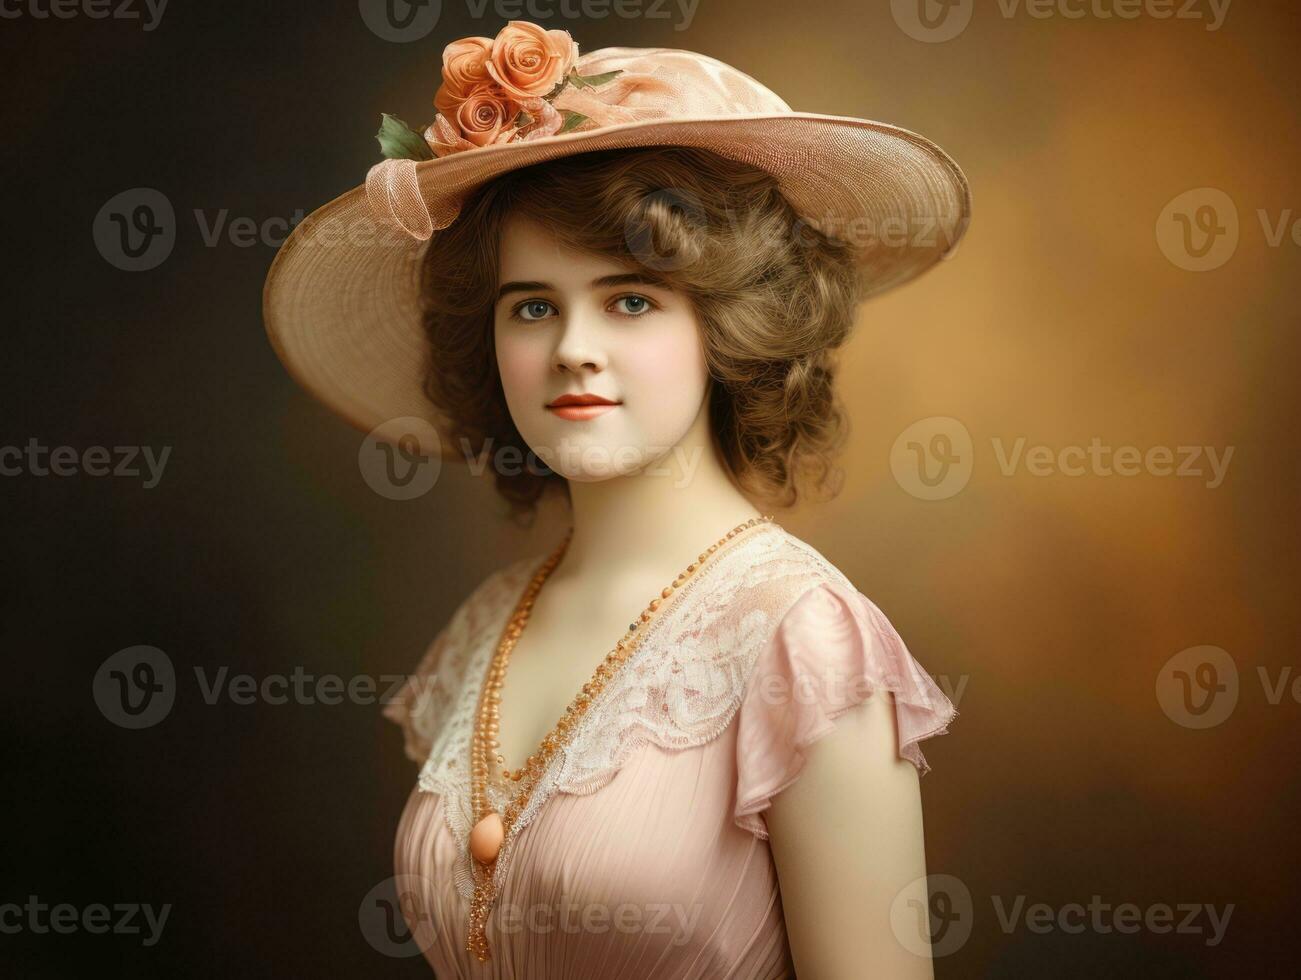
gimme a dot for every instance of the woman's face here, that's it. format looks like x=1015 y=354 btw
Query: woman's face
x=570 y=322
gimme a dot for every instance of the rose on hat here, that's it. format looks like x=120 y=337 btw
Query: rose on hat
x=496 y=90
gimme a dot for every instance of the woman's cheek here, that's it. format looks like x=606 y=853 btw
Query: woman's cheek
x=670 y=383
x=522 y=373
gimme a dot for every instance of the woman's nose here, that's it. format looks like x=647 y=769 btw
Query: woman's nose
x=580 y=345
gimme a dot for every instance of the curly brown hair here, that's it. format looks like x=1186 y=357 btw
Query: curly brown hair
x=774 y=296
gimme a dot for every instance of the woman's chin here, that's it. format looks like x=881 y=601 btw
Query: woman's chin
x=590 y=459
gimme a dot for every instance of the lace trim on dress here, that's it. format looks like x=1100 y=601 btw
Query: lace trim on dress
x=680 y=689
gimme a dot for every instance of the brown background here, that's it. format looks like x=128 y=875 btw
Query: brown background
x=1055 y=601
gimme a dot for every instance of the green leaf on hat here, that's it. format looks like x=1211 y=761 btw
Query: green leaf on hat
x=398 y=141
x=572 y=120
x=523 y=119
x=560 y=87
x=592 y=81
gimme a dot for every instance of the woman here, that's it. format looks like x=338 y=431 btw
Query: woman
x=628 y=267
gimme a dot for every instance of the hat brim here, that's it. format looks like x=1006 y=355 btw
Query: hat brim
x=342 y=303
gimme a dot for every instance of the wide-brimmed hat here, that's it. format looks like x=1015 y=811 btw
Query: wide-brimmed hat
x=342 y=301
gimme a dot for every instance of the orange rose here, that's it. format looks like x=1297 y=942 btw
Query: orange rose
x=487 y=115
x=527 y=61
x=464 y=69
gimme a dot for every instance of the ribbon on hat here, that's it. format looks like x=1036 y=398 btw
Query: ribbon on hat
x=635 y=96
x=393 y=193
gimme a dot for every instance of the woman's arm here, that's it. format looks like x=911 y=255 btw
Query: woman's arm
x=847 y=838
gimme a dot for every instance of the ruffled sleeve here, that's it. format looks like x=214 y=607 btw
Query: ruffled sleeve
x=832 y=649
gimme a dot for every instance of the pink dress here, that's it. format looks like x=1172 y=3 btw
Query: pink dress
x=643 y=852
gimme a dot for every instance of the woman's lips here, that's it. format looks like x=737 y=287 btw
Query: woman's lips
x=579 y=412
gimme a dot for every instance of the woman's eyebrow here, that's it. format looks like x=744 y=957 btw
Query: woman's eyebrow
x=621 y=279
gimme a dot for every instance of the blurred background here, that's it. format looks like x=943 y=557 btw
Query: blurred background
x=1118 y=626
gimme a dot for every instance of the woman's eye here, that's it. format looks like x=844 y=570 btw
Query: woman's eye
x=632 y=305
x=534 y=309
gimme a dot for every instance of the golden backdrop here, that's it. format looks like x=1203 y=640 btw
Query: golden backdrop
x=1055 y=578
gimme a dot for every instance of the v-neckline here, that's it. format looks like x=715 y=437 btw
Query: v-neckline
x=667 y=607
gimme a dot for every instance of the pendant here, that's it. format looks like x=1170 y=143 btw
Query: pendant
x=486 y=838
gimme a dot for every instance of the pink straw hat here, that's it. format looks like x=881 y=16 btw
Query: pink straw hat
x=342 y=300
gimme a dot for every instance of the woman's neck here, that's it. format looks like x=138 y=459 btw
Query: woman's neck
x=630 y=527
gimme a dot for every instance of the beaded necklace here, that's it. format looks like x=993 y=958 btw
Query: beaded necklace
x=491 y=827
